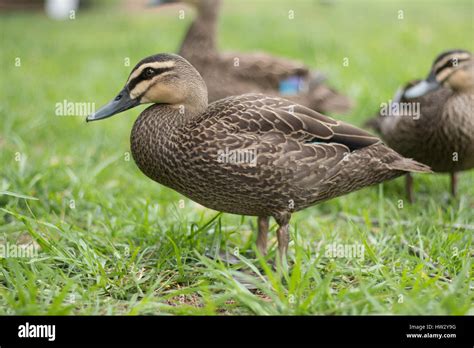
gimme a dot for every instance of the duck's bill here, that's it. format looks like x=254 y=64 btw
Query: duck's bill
x=121 y=103
x=422 y=88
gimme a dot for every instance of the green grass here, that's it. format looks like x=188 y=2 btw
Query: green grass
x=113 y=242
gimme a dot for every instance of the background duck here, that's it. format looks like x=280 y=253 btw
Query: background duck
x=235 y=73
x=442 y=134
x=300 y=156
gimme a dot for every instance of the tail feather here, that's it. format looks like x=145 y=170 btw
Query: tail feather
x=409 y=165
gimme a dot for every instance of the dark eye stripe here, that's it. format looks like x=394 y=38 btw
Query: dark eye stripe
x=148 y=72
x=449 y=64
x=135 y=81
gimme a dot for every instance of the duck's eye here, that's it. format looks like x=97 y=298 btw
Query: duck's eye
x=148 y=72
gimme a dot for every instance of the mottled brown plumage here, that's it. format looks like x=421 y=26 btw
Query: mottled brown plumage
x=442 y=134
x=235 y=73
x=300 y=158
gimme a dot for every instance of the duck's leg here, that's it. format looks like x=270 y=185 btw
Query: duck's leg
x=263 y=223
x=454 y=183
x=283 y=236
x=409 y=187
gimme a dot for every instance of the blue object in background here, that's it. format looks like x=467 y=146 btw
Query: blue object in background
x=291 y=85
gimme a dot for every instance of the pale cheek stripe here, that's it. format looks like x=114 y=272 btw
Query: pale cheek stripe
x=143 y=86
x=139 y=89
x=444 y=73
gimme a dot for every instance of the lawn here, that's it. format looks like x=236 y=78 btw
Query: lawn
x=110 y=241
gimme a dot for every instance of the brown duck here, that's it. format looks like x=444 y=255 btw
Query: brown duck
x=250 y=154
x=235 y=73
x=434 y=123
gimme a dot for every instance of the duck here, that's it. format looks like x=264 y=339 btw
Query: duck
x=235 y=73
x=250 y=154
x=434 y=122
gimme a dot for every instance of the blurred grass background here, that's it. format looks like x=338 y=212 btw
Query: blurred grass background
x=127 y=247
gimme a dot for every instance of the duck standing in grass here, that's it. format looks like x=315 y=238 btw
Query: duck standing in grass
x=440 y=133
x=234 y=73
x=293 y=157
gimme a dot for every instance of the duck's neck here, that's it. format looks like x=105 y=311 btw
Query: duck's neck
x=176 y=116
x=467 y=88
x=157 y=135
x=201 y=35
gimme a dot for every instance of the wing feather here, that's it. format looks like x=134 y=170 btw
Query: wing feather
x=260 y=114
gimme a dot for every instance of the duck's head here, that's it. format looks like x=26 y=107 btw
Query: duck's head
x=160 y=79
x=452 y=69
